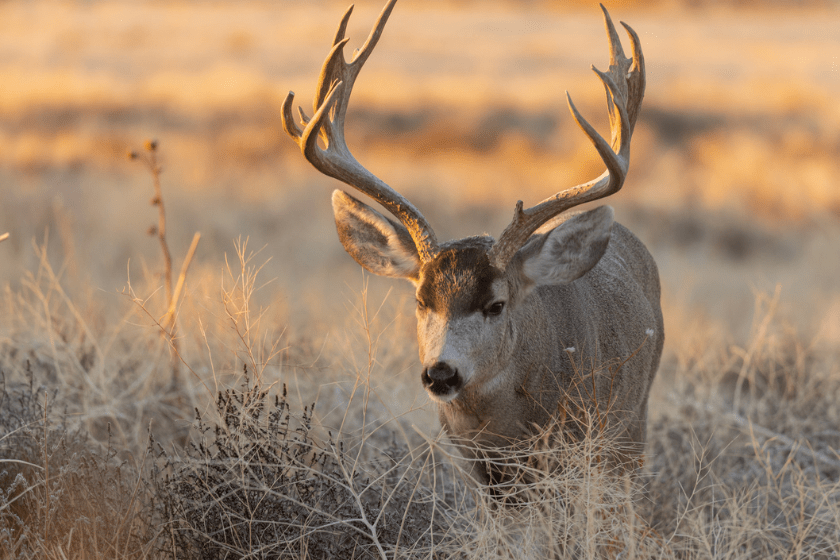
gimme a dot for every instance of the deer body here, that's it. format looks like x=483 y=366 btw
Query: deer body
x=593 y=343
x=557 y=317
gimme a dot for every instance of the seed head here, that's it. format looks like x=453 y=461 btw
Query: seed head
x=152 y=231
x=151 y=145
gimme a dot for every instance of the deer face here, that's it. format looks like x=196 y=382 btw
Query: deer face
x=468 y=311
x=463 y=319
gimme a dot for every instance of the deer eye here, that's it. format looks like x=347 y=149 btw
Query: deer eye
x=494 y=309
x=420 y=305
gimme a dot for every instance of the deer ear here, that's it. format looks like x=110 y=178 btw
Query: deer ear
x=570 y=250
x=380 y=245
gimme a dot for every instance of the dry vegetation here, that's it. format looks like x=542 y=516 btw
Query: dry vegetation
x=128 y=431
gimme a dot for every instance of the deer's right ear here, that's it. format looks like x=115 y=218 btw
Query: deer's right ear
x=380 y=245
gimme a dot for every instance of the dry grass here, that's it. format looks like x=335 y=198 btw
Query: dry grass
x=733 y=188
x=742 y=458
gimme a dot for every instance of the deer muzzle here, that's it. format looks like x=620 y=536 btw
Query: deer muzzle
x=442 y=381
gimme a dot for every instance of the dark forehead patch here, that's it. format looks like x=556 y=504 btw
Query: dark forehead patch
x=458 y=281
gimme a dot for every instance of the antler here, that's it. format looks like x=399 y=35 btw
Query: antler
x=625 y=86
x=330 y=105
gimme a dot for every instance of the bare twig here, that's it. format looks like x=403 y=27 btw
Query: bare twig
x=169 y=319
x=167 y=322
x=150 y=160
x=245 y=321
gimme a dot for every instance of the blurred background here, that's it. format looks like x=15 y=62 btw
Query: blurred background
x=734 y=182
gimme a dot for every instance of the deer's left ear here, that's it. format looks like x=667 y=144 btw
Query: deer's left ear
x=380 y=245
x=570 y=250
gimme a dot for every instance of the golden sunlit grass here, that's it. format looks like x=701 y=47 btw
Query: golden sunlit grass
x=741 y=456
x=733 y=186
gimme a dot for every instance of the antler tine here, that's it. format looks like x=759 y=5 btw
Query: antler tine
x=619 y=126
x=342 y=25
x=616 y=50
x=335 y=84
x=636 y=77
x=625 y=86
x=288 y=119
x=336 y=68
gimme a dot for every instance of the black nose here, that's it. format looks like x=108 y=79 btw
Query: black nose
x=441 y=371
x=441 y=377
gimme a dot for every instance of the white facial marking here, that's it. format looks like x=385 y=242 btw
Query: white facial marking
x=442 y=398
x=449 y=341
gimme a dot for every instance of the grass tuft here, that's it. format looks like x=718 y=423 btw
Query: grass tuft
x=61 y=494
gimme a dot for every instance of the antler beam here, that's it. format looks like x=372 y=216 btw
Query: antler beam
x=332 y=97
x=625 y=87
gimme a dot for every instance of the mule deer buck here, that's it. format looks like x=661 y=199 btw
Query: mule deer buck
x=556 y=316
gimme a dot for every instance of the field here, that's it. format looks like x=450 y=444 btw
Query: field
x=130 y=432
